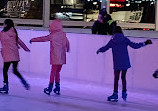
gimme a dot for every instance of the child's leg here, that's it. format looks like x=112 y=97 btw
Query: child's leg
x=5 y=88
x=53 y=73
x=116 y=79
x=48 y=90
x=57 y=80
x=16 y=72
x=114 y=96
x=123 y=77
x=57 y=76
x=5 y=71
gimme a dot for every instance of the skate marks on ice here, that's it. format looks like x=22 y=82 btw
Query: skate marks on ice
x=143 y=106
x=134 y=106
x=54 y=101
x=140 y=102
x=82 y=104
x=73 y=98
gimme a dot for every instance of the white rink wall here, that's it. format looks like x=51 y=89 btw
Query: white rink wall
x=84 y=64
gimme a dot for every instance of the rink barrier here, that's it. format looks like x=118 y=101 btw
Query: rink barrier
x=84 y=64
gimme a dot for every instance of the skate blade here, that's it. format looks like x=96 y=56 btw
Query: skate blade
x=27 y=87
x=46 y=92
x=3 y=92
x=58 y=93
x=113 y=100
x=124 y=99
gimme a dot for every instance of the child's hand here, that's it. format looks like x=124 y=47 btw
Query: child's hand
x=68 y=50
x=98 y=51
x=147 y=42
x=28 y=50
x=30 y=42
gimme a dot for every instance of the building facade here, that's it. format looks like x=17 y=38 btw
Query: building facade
x=129 y=14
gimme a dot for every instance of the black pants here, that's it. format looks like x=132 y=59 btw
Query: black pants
x=116 y=80
x=15 y=70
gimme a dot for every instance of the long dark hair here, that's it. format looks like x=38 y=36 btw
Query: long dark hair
x=117 y=29
x=10 y=24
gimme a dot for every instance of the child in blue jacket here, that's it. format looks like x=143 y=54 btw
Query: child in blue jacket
x=121 y=61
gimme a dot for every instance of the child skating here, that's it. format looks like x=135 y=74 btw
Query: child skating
x=59 y=45
x=121 y=61
x=10 y=54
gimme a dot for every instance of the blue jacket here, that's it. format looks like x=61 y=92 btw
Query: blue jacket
x=119 y=44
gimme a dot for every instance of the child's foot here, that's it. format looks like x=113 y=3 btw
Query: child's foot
x=26 y=85
x=4 y=89
x=113 y=97
x=124 y=95
x=48 y=90
x=57 y=89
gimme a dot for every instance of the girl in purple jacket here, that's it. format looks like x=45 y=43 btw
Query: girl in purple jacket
x=121 y=61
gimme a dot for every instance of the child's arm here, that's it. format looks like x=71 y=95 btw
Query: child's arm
x=41 y=39
x=94 y=28
x=105 y=48
x=22 y=44
x=67 y=45
x=138 y=45
x=0 y=43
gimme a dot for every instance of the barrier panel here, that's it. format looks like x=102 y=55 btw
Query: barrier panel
x=84 y=64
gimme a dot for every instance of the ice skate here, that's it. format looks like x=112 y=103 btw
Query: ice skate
x=26 y=85
x=5 y=89
x=155 y=75
x=113 y=97
x=124 y=95
x=48 y=90
x=57 y=89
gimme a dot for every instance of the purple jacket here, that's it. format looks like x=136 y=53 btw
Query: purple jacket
x=119 y=44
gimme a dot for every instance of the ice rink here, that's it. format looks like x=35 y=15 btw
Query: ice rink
x=75 y=96
x=86 y=79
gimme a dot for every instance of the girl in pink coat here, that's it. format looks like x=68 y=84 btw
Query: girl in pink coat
x=59 y=45
x=9 y=40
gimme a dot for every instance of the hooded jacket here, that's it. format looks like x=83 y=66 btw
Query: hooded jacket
x=110 y=27
x=119 y=44
x=9 y=43
x=99 y=28
x=59 y=43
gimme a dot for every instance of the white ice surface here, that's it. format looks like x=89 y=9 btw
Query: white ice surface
x=75 y=96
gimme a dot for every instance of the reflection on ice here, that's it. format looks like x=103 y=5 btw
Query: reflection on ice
x=75 y=96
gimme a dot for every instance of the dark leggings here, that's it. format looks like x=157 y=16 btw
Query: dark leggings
x=15 y=70
x=116 y=79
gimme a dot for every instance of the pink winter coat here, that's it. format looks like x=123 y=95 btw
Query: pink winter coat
x=59 y=43
x=9 y=43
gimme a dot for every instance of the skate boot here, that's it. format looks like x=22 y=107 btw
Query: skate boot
x=57 y=88
x=155 y=75
x=26 y=85
x=124 y=95
x=48 y=90
x=5 y=89
x=113 y=97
